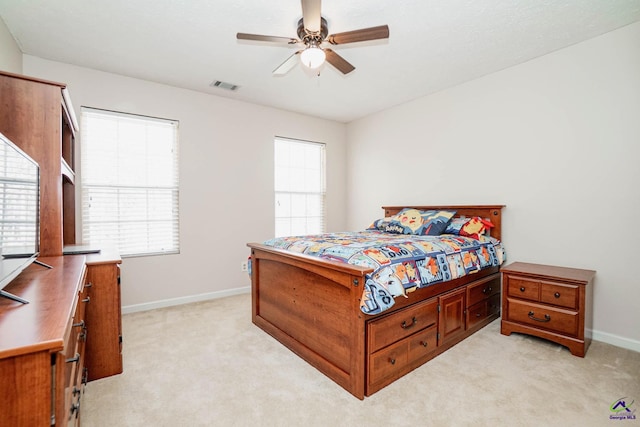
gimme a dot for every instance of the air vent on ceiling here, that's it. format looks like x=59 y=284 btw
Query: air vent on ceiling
x=224 y=85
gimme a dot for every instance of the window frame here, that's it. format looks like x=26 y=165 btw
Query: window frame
x=320 y=193
x=156 y=196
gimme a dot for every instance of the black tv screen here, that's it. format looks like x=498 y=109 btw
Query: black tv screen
x=19 y=213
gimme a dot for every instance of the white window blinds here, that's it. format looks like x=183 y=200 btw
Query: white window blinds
x=129 y=182
x=299 y=187
x=19 y=201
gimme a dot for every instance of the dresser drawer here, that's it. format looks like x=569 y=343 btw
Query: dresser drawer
x=524 y=288
x=543 y=317
x=398 y=325
x=557 y=294
x=481 y=291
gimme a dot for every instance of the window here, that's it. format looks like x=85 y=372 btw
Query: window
x=129 y=182
x=299 y=187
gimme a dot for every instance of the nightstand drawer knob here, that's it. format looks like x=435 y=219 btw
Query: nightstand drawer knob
x=521 y=288
x=557 y=295
x=546 y=317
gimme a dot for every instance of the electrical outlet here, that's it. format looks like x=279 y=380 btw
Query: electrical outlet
x=244 y=266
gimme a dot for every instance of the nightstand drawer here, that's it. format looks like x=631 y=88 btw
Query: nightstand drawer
x=562 y=295
x=520 y=287
x=543 y=317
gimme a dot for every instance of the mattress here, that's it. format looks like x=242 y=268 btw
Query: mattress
x=401 y=263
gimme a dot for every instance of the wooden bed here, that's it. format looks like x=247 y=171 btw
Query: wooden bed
x=312 y=306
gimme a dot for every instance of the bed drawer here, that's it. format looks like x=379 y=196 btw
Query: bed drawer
x=396 y=326
x=388 y=362
x=422 y=343
x=543 y=317
x=481 y=291
x=476 y=313
x=493 y=305
x=392 y=360
x=480 y=311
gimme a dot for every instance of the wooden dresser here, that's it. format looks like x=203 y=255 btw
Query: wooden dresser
x=555 y=303
x=70 y=332
x=50 y=346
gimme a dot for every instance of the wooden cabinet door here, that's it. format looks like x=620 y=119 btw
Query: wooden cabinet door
x=451 y=321
x=104 y=324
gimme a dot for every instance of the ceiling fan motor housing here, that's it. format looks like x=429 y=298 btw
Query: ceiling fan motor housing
x=317 y=37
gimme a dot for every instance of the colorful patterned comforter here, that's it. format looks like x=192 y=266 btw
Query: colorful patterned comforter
x=400 y=263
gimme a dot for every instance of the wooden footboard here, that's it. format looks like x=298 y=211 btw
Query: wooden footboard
x=312 y=306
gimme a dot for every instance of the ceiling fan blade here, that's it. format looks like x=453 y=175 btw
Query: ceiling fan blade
x=373 y=33
x=287 y=65
x=261 y=38
x=311 y=15
x=338 y=61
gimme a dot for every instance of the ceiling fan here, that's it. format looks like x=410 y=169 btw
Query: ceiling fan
x=313 y=34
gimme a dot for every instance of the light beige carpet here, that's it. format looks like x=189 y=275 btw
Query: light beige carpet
x=206 y=364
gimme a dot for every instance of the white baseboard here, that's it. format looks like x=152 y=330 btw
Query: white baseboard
x=616 y=340
x=184 y=300
x=605 y=337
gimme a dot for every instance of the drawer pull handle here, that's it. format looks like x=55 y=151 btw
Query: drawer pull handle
x=74 y=359
x=80 y=323
x=546 y=317
x=521 y=288
x=413 y=322
x=88 y=285
x=478 y=314
x=557 y=295
x=424 y=343
x=392 y=361
x=489 y=289
x=87 y=299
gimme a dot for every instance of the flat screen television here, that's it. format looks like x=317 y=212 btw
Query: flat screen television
x=19 y=213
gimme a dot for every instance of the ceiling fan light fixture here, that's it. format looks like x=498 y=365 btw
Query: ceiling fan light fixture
x=312 y=56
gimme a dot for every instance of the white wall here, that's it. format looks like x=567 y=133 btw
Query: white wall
x=557 y=140
x=10 y=54
x=226 y=178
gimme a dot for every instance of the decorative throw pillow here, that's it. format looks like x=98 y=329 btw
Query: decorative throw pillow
x=380 y=224
x=470 y=227
x=414 y=221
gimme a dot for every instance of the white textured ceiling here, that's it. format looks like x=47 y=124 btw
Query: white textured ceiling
x=433 y=44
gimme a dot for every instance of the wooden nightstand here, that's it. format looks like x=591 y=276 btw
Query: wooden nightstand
x=549 y=302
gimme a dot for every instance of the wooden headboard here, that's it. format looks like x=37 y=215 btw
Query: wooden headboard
x=491 y=212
